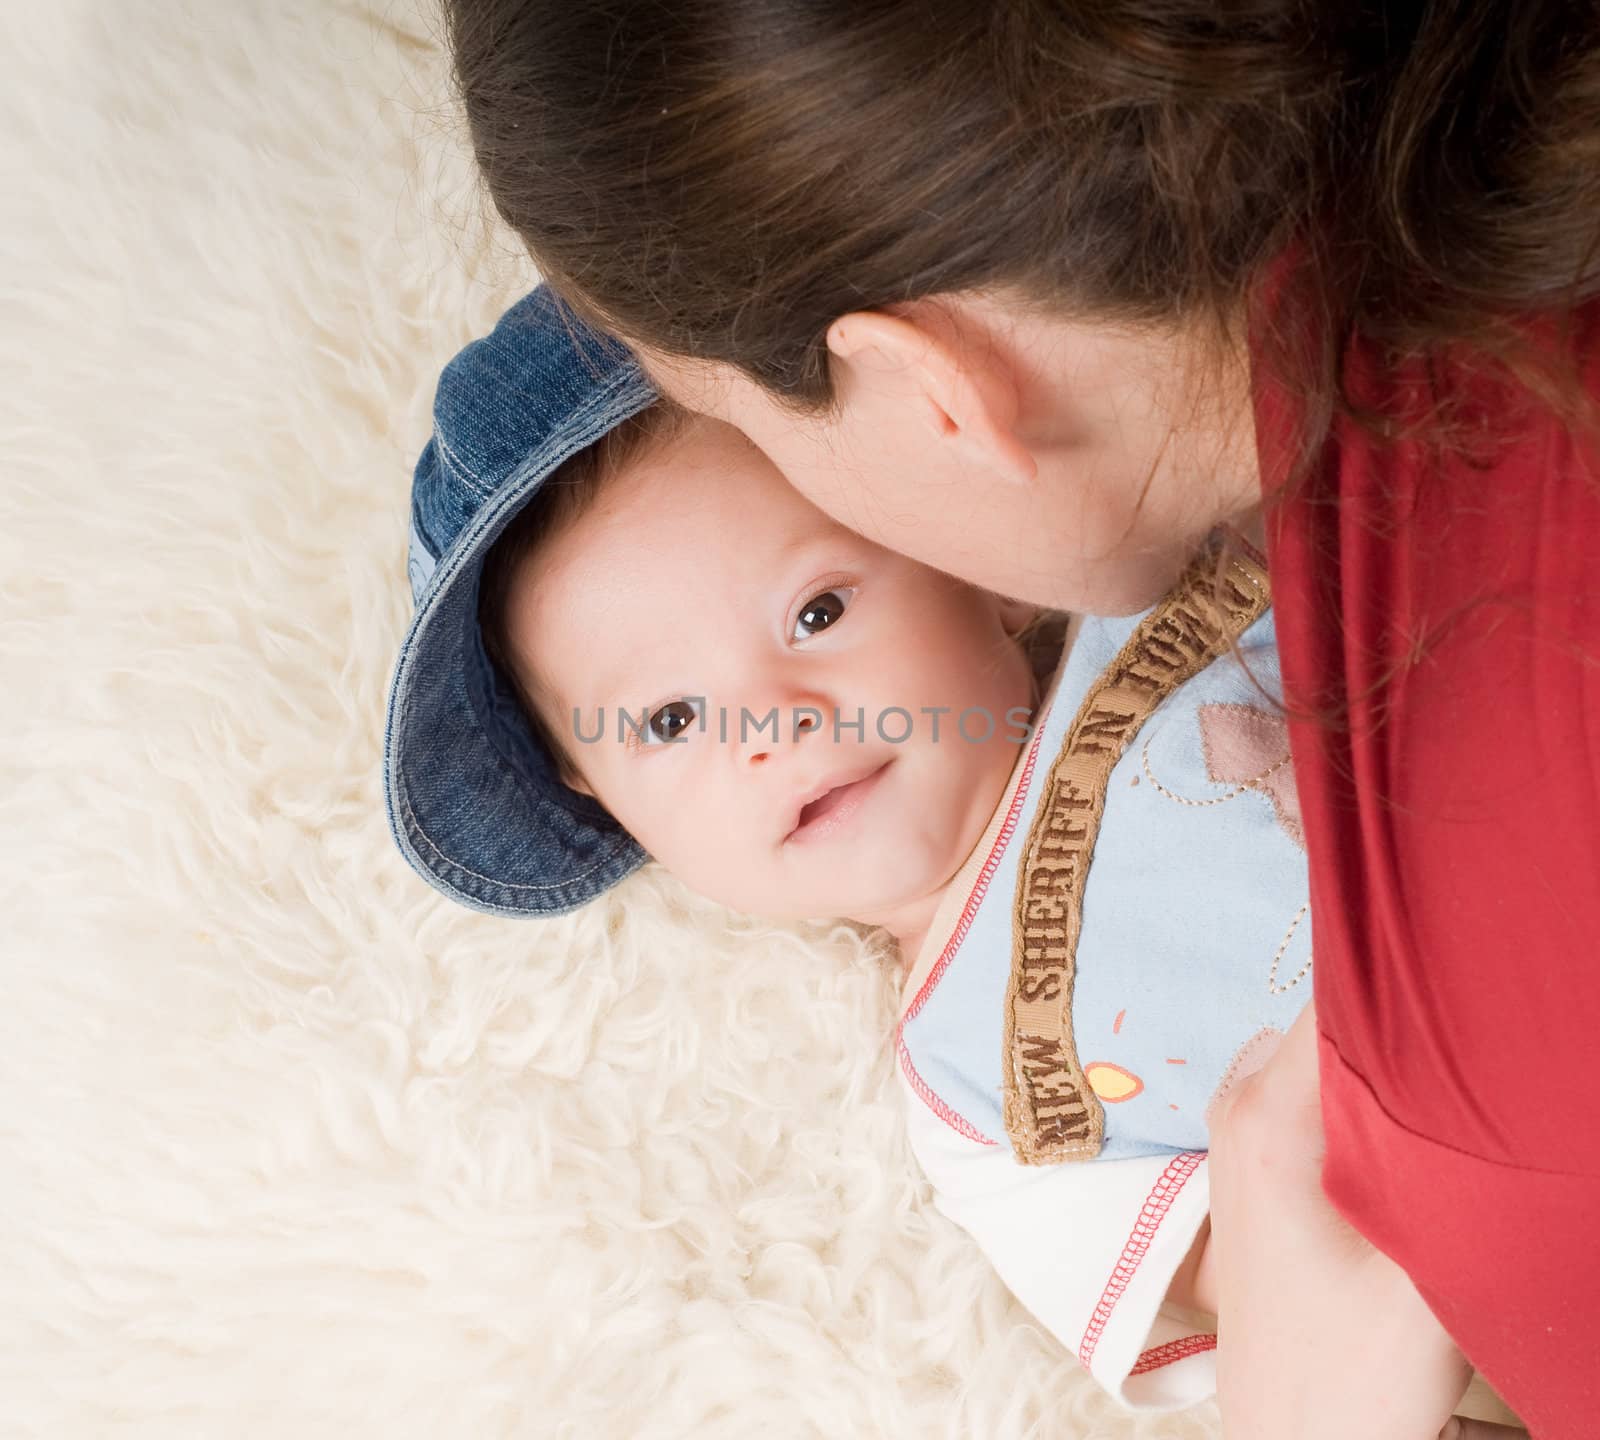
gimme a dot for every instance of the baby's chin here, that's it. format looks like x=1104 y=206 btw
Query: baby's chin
x=875 y=885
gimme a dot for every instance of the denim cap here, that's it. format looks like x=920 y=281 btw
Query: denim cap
x=474 y=801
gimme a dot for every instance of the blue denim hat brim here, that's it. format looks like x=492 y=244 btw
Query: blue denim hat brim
x=474 y=801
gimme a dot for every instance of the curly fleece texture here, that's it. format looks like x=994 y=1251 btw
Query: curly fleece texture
x=290 y=1146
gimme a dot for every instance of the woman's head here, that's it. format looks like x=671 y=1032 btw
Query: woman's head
x=1076 y=466
x=724 y=181
x=723 y=185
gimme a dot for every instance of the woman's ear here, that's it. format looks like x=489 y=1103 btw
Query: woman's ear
x=966 y=395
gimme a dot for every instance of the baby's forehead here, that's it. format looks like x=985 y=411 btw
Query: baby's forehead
x=708 y=490
x=703 y=519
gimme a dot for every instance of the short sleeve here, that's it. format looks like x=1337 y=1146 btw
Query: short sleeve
x=1089 y=1247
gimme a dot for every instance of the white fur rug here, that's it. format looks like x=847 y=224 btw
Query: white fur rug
x=288 y=1145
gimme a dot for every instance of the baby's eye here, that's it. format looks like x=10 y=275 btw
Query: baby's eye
x=669 y=722
x=821 y=611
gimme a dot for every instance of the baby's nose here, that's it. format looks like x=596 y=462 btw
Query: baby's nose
x=778 y=728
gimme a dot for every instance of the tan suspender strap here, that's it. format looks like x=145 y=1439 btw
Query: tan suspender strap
x=1051 y=1113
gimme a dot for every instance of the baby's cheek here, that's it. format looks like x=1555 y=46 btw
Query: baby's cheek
x=721 y=859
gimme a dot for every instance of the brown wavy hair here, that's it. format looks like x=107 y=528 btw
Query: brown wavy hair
x=722 y=179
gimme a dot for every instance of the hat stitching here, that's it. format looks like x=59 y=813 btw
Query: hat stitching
x=469 y=477
x=444 y=577
x=457 y=554
x=463 y=550
x=405 y=801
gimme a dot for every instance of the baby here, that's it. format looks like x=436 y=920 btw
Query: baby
x=634 y=639
x=750 y=689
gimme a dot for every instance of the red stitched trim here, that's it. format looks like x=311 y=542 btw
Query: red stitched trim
x=981 y=886
x=935 y=1104
x=1174 y=1350
x=1154 y=1210
x=964 y=924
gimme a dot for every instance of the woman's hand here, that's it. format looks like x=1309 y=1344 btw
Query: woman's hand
x=1319 y=1334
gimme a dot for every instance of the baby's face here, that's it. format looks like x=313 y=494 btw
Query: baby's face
x=700 y=594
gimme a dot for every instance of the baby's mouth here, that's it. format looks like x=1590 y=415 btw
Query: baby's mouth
x=842 y=799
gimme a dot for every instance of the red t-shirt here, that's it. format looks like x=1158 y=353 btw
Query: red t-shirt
x=1448 y=611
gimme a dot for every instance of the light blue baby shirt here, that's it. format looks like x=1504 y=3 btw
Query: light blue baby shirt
x=1196 y=933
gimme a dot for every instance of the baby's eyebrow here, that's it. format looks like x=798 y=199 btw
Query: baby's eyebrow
x=800 y=544
x=610 y=689
x=605 y=682
x=631 y=696
x=565 y=704
x=611 y=696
